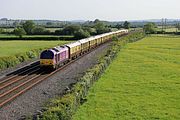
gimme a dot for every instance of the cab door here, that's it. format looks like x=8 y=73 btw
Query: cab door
x=56 y=58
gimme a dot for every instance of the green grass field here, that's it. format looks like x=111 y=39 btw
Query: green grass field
x=8 y=48
x=50 y=29
x=142 y=83
x=53 y=29
x=11 y=35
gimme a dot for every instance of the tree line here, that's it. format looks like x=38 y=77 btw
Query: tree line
x=78 y=31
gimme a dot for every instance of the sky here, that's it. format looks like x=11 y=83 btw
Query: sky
x=111 y=10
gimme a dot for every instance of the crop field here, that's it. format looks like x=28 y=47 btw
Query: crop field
x=172 y=29
x=8 y=48
x=141 y=83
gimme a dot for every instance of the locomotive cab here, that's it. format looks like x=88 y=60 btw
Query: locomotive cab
x=47 y=59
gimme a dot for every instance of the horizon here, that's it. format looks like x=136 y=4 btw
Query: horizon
x=156 y=19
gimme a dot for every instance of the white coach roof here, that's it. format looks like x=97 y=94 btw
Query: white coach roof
x=84 y=40
x=73 y=44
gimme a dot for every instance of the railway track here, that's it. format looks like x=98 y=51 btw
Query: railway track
x=20 y=81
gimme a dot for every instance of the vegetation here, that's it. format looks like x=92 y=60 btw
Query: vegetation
x=90 y=30
x=56 y=27
x=142 y=83
x=1 y=30
x=150 y=28
x=68 y=30
x=100 y=27
x=178 y=26
x=80 y=31
x=63 y=108
x=19 y=32
x=29 y=26
x=40 y=30
x=126 y=25
x=81 y=34
x=77 y=30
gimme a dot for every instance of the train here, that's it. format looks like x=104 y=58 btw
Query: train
x=60 y=55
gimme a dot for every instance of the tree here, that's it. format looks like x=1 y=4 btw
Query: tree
x=28 y=26
x=81 y=34
x=15 y=24
x=126 y=25
x=101 y=28
x=49 y=23
x=58 y=32
x=150 y=28
x=92 y=31
x=119 y=26
x=96 y=21
x=38 y=30
x=71 y=29
x=1 y=30
x=19 y=32
x=178 y=26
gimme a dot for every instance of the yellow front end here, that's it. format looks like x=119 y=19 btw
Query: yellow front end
x=46 y=62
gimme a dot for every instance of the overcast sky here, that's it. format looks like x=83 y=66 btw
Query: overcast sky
x=113 y=10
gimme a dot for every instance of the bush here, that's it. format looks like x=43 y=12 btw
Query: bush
x=81 y=34
x=58 y=32
x=29 y=26
x=39 y=30
x=150 y=28
x=19 y=32
x=71 y=29
x=1 y=30
x=11 y=61
x=101 y=28
x=92 y=31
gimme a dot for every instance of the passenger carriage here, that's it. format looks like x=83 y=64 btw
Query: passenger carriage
x=85 y=45
x=74 y=49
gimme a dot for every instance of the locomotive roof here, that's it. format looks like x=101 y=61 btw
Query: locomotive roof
x=54 y=52
x=59 y=49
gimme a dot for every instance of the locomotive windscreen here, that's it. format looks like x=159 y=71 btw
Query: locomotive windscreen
x=47 y=55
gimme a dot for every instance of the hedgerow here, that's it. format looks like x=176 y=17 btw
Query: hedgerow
x=11 y=61
x=64 y=107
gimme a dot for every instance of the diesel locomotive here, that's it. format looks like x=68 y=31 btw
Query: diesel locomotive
x=60 y=55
